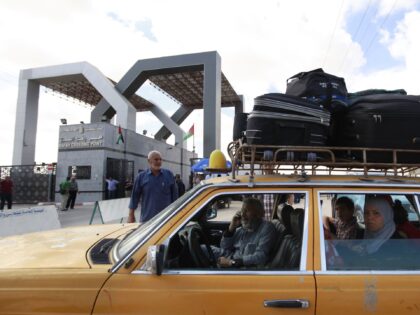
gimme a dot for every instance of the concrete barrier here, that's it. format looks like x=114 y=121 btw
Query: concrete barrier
x=111 y=210
x=27 y=220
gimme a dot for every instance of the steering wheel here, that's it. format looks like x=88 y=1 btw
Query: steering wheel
x=198 y=255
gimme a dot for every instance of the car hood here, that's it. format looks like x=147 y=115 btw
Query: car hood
x=63 y=248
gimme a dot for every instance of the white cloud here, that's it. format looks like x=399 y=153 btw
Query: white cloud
x=405 y=42
x=7 y=125
x=393 y=6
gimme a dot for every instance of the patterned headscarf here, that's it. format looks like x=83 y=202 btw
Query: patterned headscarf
x=379 y=237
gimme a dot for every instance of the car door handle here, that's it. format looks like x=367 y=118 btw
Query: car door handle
x=287 y=303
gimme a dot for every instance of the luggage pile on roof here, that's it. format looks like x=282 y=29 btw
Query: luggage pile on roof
x=317 y=110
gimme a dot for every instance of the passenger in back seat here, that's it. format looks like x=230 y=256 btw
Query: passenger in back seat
x=404 y=226
x=344 y=226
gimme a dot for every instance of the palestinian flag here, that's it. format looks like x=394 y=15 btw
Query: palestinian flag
x=189 y=133
x=120 y=136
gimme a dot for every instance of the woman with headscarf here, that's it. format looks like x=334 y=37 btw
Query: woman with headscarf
x=379 y=224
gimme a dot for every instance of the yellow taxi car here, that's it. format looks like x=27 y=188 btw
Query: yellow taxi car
x=164 y=266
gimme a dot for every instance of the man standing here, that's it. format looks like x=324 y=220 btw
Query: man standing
x=64 y=192
x=6 y=189
x=155 y=187
x=180 y=184
x=73 y=190
x=112 y=187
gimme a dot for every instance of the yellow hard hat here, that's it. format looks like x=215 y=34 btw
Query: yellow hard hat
x=217 y=160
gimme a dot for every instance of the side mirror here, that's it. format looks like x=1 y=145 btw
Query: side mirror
x=211 y=213
x=154 y=260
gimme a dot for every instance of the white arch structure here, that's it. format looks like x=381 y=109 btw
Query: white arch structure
x=115 y=98
x=28 y=97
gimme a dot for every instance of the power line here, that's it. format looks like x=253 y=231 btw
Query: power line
x=380 y=27
x=355 y=35
x=333 y=33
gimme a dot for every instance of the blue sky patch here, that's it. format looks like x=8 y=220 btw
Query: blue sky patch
x=145 y=26
x=364 y=27
x=142 y=26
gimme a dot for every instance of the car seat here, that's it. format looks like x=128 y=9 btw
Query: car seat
x=281 y=232
x=288 y=255
x=283 y=228
x=285 y=217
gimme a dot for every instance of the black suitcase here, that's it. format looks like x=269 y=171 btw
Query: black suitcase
x=239 y=126
x=319 y=87
x=279 y=119
x=354 y=96
x=388 y=121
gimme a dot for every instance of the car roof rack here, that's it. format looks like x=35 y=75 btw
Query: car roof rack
x=300 y=160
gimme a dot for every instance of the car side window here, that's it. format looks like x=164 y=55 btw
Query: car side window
x=386 y=239
x=243 y=231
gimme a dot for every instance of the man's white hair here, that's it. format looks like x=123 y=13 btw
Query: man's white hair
x=154 y=152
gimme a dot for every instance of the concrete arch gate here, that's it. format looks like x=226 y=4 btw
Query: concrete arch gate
x=115 y=99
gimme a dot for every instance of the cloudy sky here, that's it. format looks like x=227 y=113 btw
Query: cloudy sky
x=371 y=43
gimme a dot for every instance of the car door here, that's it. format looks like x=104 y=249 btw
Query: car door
x=192 y=290
x=390 y=285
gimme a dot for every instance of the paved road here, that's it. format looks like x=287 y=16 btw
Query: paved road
x=80 y=215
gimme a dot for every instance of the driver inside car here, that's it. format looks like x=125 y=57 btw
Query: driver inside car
x=248 y=240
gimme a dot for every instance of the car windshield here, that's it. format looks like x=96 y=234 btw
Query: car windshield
x=145 y=229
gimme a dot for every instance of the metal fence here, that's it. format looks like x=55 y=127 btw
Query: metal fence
x=31 y=183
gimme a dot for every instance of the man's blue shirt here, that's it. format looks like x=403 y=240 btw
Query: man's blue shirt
x=155 y=192
x=112 y=184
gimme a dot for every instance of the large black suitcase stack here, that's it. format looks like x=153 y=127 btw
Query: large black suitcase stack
x=319 y=87
x=239 y=126
x=389 y=121
x=279 y=119
x=323 y=89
